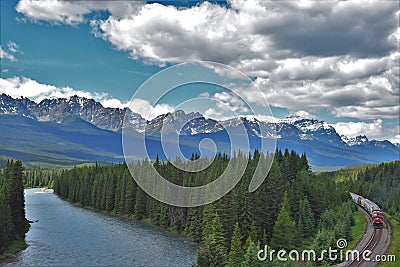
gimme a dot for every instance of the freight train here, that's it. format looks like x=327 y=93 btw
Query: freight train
x=371 y=208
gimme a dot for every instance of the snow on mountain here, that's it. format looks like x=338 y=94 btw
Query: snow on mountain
x=11 y=106
x=58 y=109
x=321 y=142
x=188 y=124
x=355 y=141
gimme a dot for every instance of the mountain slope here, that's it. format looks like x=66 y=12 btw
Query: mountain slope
x=71 y=142
x=75 y=130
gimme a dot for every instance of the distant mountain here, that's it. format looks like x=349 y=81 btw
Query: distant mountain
x=57 y=109
x=76 y=129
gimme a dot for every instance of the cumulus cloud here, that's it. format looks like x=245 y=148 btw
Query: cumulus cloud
x=73 y=12
x=353 y=129
x=336 y=55
x=358 y=88
x=327 y=61
x=25 y=87
x=113 y=103
x=146 y=110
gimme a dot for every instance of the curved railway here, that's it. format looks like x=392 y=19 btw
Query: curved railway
x=376 y=240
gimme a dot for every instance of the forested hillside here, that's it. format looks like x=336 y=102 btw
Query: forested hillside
x=12 y=208
x=291 y=209
x=380 y=183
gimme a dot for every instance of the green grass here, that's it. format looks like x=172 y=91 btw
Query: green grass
x=358 y=230
x=394 y=248
x=16 y=246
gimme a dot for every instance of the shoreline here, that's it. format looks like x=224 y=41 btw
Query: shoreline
x=11 y=251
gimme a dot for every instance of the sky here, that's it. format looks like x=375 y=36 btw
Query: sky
x=336 y=61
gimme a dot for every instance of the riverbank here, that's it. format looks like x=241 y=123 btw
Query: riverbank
x=15 y=247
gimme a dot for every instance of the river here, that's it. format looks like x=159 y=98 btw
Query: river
x=66 y=235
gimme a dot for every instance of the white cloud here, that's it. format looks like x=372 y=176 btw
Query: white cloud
x=26 y=87
x=5 y=55
x=395 y=139
x=353 y=129
x=212 y=113
x=13 y=47
x=367 y=89
x=146 y=110
x=113 y=103
x=72 y=12
x=303 y=114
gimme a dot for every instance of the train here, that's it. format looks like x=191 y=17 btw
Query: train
x=373 y=210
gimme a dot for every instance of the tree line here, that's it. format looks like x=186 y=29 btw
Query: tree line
x=13 y=224
x=380 y=183
x=293 y=208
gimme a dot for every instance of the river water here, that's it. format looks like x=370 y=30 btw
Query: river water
x=66 y=235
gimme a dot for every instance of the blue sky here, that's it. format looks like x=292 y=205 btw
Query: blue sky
x=336 y=61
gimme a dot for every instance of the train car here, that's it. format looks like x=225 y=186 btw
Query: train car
x=373 y=210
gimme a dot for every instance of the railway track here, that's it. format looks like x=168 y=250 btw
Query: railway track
x=372 y=243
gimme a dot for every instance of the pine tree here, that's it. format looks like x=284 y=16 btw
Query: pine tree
x=15 y=191
x=236 y=252
x=250 y=257
x=284 y=233
x=213 y=252
x=140 y=204
x=306 y=218
x=275 y=188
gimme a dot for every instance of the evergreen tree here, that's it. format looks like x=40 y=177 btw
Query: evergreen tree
x=12 y=208
x=284 y=233
x=236 y=252
x=15 y=190
x=250 y=257
x=306 y=218
x=213 y=252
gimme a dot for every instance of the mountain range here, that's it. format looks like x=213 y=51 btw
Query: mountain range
x=74 y=130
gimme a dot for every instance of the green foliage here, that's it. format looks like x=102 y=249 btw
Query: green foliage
x=322 y=241
x=380 y=183
x=306 y=218
x=213 y=252
x=12 y=206
x=284 y=229
x=236 y=251
x=250 y=257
